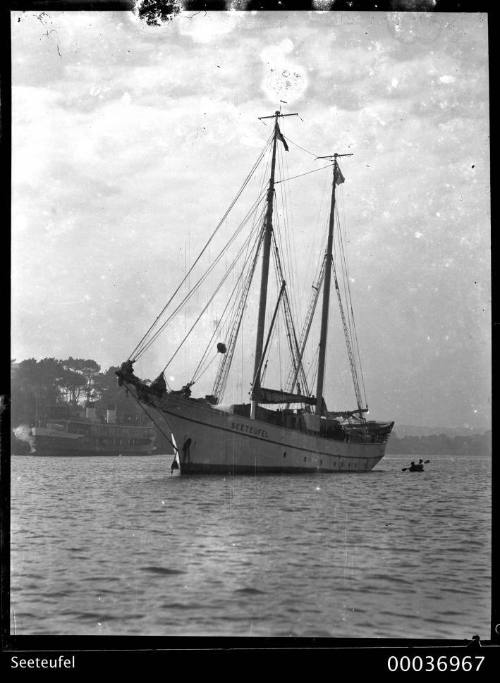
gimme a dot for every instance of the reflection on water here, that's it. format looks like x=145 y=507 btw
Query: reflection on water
x=119 y=546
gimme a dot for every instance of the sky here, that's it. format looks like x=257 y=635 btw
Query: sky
x=130 y=141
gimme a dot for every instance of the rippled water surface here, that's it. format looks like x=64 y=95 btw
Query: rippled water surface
x=118 y=546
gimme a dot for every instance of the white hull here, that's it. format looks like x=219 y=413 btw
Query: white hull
x=210 y=440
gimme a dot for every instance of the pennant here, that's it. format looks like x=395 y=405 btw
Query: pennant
x=281 y=137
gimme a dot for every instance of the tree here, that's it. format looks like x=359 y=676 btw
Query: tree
x=34 y=387
x=78 y=378
x=111 y=396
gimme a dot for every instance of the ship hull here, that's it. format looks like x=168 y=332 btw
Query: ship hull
x=53 y=447
x=211 y=441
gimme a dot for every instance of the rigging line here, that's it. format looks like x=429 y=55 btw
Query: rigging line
x=347 y=289
x=279 y=327
x=232 y=312
x=314 y=365
x=225 y=366
x=356 y=341
x=292 y=266
x=245 y=183
x=147 y=344
x=316 y=284
x=235 y=306
x=226 y=275
x=346 y=323
x=196 y=286
x=314 y=170
x=350 y=312
x=278 y=333
x=306 y=326
x=348 y=341
x=302 y=148
x=207 y=367
x=255 y=229
x=283 y=234
x=239 y=285
x=291 y=334
x=221 y=318
x=155 y=423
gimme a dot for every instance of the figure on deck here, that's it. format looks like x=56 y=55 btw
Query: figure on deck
x=158 y=386
x=126 y=371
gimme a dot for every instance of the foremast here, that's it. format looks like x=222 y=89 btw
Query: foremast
x=266 y=252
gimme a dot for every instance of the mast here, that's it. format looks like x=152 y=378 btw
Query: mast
x=337 y=179
x=268 y=230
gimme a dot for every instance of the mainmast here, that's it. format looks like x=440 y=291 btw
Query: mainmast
x=268 y=230
x=337 y=179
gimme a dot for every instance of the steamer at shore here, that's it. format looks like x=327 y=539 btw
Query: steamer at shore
x=90 y=434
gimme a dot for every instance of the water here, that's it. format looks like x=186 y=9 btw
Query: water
x=117 y=546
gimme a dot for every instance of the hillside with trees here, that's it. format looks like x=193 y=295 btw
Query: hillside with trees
x=440 y=444
x=39 y=387
x=50 y=386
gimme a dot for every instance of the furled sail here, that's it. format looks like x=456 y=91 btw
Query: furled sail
x=263 y=395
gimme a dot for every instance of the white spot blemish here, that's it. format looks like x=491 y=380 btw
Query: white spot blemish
x=418 y=235
x=283 y=79
x=447 y=79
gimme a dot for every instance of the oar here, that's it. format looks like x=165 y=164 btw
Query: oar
x=407 y=468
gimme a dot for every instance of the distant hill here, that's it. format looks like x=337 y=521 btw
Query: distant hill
x=440 y=444
x=401 y=430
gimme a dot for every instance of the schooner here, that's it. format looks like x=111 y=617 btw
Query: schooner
x=286 y=429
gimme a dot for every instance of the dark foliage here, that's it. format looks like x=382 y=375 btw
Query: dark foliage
x=157 y=12
x=39 y=387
